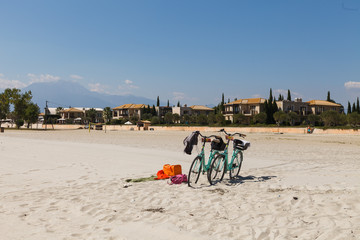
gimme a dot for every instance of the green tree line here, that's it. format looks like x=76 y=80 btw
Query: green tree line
x=18 y=107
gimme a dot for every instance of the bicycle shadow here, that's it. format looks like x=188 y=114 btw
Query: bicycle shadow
x=236 y=181
x=241 y=180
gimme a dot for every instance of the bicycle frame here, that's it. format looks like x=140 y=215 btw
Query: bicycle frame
x=221 y=163
x=206 y=166
x=226 y=154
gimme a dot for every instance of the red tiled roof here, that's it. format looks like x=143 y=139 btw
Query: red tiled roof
x=247 y=101
x=323 y=103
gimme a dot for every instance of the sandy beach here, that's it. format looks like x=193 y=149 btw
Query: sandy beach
x=71 y=184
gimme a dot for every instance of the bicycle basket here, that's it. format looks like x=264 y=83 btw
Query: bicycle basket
x=240 y=144
x=218 y=144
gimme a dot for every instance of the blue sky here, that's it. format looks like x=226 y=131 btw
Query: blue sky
x=187 y=51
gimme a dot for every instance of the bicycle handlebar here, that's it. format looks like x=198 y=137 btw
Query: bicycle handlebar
x=207 y=136
x=240 y=134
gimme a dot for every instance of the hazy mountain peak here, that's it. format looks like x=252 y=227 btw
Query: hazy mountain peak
x=66 y=93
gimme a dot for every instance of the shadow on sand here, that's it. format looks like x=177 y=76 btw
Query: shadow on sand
x=236 y=181
x=240 y=180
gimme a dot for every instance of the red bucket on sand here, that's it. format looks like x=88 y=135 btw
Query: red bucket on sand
x=161 y=175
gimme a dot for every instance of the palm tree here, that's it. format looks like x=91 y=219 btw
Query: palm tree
x=91 y=115
x=107 y=114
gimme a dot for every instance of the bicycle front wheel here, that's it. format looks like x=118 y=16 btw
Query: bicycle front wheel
x=236 y=165
x=194 y=172
x=217 y=169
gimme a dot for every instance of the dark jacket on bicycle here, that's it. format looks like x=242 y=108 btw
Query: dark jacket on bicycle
x=190 y=141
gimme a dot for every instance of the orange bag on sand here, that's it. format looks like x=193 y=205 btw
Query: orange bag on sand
x=161 y=175
x=172 y=170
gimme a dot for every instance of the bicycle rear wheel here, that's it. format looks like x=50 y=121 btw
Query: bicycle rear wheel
x=236 y=165
x=194 y=172
x=217 y=169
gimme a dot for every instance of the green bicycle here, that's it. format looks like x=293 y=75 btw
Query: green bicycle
x=221 y=164
x=198 y=165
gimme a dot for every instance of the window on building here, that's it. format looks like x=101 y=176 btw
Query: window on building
x=236 y=109
x=302 y=110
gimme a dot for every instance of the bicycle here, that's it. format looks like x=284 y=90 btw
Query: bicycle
x=198 y=165
x=220 y=165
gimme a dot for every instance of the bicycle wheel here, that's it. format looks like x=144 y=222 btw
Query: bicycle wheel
x=194 y=171
x=236 y=165
x=217 y=169
x=208 y=167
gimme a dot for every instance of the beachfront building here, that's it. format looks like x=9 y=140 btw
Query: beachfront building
x=79 y=115
x=75 y=115
x=162 y=110
x=319 y=106
x=50 y=114
x=248 y=107
x=99 y=118
x=129 y=111
x=298 y=106
x=200 y=109
x=182 y=110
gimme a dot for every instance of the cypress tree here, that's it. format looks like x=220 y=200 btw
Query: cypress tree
x=353 y=108
x=269 y=112
x=266 y=110
x=271 y=109
x=329 y=98
x=178 y=104
x=289 y=95
x=158 y=102
x=349 y=108
x=153 y=111
x=222 y=107
x=275 y=107
x=168 y=104
x=357 y=105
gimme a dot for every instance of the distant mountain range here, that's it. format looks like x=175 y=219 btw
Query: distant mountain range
x=70 y=94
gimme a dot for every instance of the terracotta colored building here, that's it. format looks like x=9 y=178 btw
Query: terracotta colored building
x=128 y=111
x=248 y=107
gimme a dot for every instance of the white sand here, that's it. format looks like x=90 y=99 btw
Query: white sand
x=70 y=185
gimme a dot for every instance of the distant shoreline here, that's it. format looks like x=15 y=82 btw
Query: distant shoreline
x=280 y=130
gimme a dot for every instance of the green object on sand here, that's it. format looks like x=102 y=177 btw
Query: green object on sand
x=146 y=179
